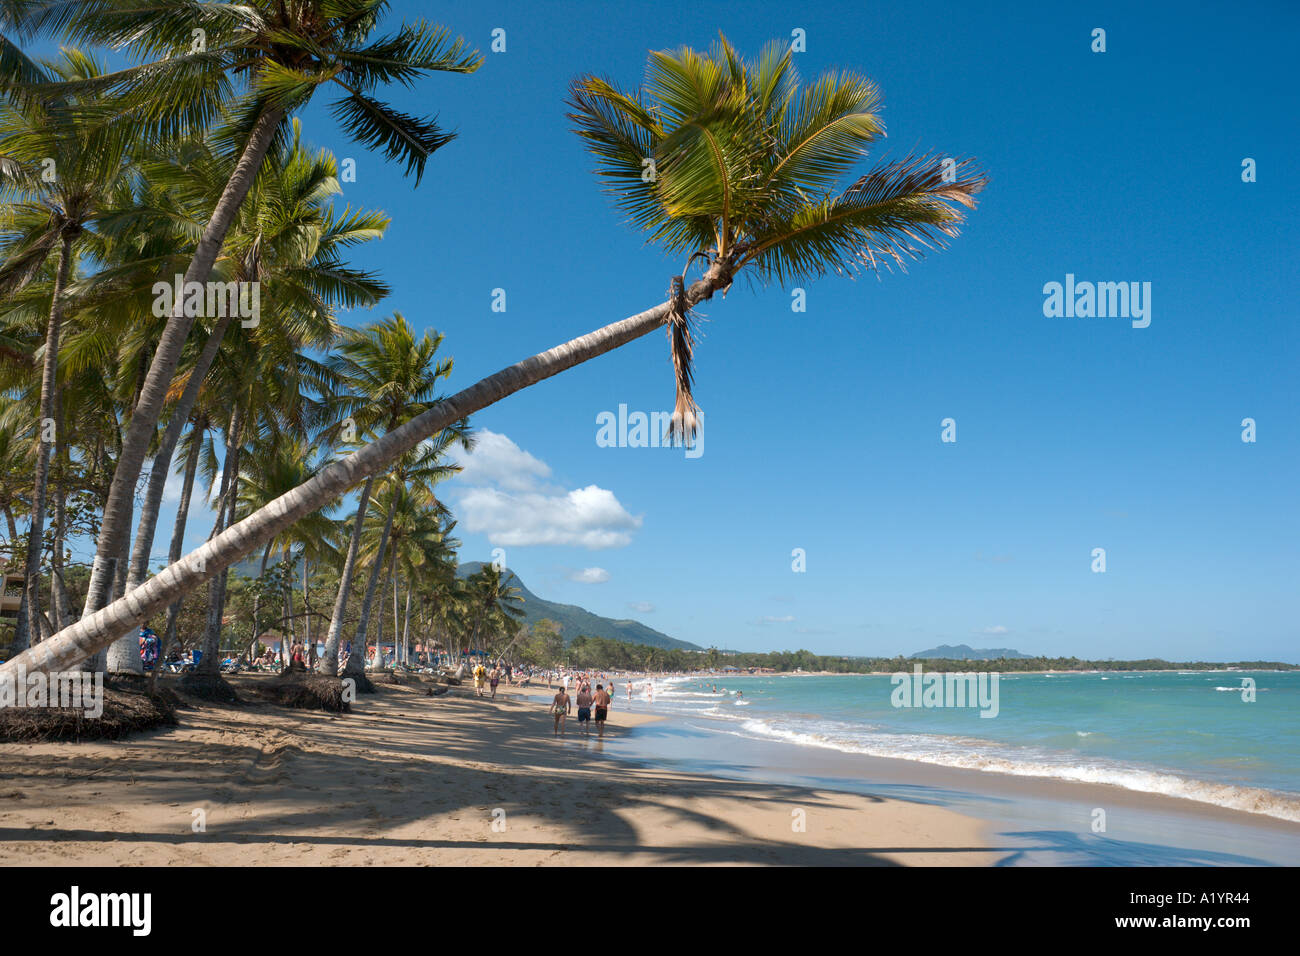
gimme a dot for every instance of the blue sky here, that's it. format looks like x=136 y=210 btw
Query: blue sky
x=823 y=427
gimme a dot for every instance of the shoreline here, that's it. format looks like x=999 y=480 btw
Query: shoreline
x=1017 y=810
x=1142 y=827
x=1254 y=800
x=408 y=779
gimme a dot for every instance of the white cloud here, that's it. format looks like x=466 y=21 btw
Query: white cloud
x=995 y=629
x=588 y=517
x=496 y=460
x=589 y=576
x=509 y=500
x=771 y=619
x=641 y=607
x=173 y=488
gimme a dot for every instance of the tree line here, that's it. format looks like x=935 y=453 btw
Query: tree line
x=545 y=647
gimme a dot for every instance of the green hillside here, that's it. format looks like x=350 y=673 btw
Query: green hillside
x=574 y=620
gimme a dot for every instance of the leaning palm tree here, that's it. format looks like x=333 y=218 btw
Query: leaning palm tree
x=748 y=165
x=258 y=62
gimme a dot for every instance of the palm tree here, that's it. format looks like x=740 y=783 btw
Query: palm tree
x=449 y=611
x=18 y=72
x=289 y=239
x=493 y=602
x=280 y=54
x=424 y=553
x=14 y=480
x=264 y=379
x=416 y=474
x=748 y=163
x=275 y=467
x=49 y=209
x=388 y=378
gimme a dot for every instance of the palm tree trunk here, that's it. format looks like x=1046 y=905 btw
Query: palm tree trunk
x=162 y=460
x=406 y=629
x=13 y=526
x=210 y=664
x=98 y=629
x=392 y=576
x=116 y=523
x=257 y=603
x=306 y=621
x=329 y=663
x=178 y=535
x=58 y=586
x=357 y=659
x=288 y=614
x=379 y=624
x=124 y=653
x=30 y=607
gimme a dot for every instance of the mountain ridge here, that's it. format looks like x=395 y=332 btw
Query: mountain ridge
x=574 y=619
x=964 y=652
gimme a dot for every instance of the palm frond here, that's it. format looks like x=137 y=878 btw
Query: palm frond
x=376 y=125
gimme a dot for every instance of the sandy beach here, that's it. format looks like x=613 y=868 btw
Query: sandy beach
x=409 y=779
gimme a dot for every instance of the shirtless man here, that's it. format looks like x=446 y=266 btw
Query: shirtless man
x=584 y=707
x=602 y=702
x=560 y=705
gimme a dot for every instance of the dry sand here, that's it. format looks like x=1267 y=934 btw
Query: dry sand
x=408 y=779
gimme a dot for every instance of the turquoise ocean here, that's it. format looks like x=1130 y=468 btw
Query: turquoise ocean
x=1188 y=734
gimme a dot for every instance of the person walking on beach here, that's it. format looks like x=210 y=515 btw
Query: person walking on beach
x=584 y=707
x=479 y=673
x=560 y=709
x=602 y=702
x=493 y=679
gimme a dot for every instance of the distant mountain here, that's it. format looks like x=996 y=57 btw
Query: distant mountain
x=964 y=652
x=574 y=620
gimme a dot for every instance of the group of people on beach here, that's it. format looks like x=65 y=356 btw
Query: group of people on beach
x=592 y=706
x=491 y=677
x=562 y=705
x=270 y=658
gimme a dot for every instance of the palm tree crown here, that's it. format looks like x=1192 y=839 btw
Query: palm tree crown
x=740 y=164
x=281 y=51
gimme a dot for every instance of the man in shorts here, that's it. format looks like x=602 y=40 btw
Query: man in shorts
x=602 y=702
x=584 y=707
